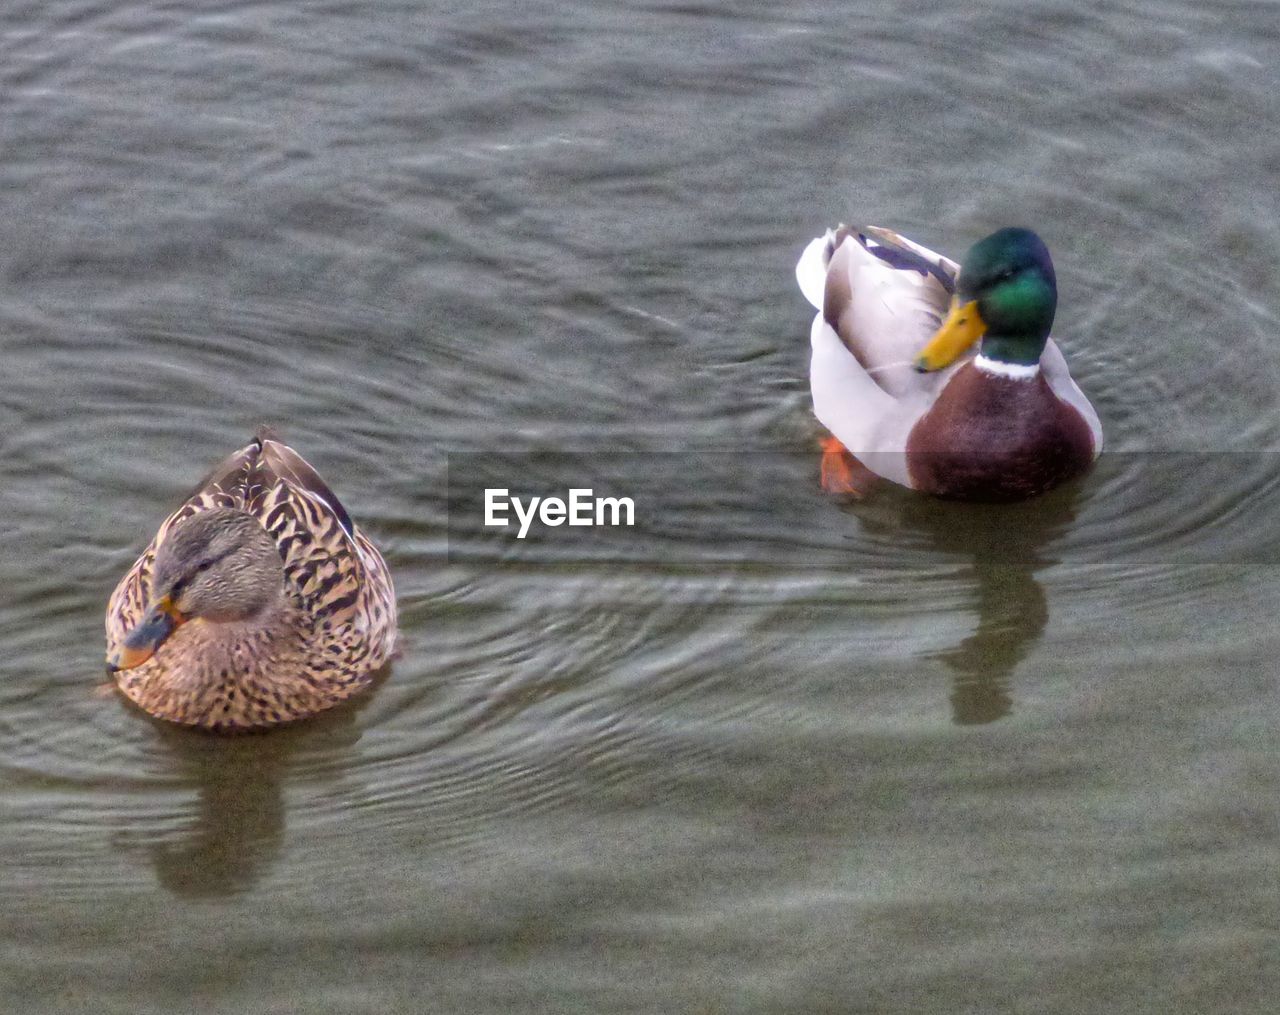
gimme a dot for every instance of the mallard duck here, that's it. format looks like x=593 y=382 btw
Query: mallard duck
x=257 y=603
x=977 y=406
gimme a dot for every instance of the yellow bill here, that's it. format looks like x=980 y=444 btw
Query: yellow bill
x=963 y=326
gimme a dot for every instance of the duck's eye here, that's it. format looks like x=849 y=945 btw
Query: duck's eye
x=204 y=563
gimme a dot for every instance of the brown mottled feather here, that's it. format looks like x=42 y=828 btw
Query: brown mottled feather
x=342 y=613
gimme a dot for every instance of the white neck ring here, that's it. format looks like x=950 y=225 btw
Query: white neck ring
x=1013 y=371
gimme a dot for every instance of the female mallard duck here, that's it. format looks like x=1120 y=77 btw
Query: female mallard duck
x=902 y=390
x=258 y=602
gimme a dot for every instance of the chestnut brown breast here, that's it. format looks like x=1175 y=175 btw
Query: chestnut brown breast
x=997 y=439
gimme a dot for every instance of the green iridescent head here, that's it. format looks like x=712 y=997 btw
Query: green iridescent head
x=1006 y=295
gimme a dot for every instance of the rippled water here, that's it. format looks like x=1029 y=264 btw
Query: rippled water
x=764 y=752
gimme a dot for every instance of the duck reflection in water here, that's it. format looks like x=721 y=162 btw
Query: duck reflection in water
x=1005 y=546
x=237 y=831
x=1012 y=614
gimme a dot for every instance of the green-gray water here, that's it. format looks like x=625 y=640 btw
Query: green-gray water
x=768 y=752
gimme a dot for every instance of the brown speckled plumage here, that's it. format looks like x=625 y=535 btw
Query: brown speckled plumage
x=323 y=641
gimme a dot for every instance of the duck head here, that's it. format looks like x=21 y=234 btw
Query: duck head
x=1006 y=295
x=219 y=565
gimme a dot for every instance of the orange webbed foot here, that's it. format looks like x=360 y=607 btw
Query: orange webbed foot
x=841 y=473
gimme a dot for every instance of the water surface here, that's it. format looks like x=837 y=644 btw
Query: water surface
x=767 y=752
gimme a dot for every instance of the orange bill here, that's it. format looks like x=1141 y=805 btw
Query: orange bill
x=150 y=633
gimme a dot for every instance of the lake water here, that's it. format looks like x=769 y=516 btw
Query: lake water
x=765 y=751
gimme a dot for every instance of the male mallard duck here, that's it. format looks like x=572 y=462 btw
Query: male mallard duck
x=901 y=389
x=258 y=601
